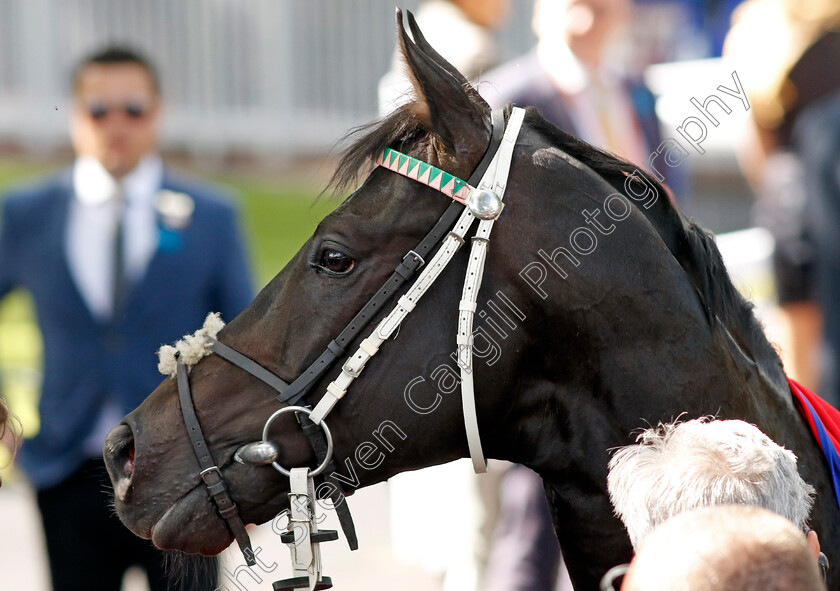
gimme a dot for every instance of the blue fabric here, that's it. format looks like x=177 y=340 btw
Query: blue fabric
x=828 y=448
x=197 y=269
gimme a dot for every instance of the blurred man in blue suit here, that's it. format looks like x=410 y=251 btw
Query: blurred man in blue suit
x=120 y=256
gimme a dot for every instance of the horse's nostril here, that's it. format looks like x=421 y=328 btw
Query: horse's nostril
x=129 y=462
x=119 y=458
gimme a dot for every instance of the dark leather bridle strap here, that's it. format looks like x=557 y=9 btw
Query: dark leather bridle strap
x=318 y=442
x=404 y=271
x=411 y=262
x=312 y=431
x=210 y=472
x=249 y=365
x=292 y=393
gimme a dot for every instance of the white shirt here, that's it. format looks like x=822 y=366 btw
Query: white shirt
x=92 y=225
x=90 y=236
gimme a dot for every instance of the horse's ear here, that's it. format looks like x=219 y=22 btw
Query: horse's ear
x=447 y=104
x=426 y=47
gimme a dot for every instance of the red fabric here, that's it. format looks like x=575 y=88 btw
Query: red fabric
x=829 y=415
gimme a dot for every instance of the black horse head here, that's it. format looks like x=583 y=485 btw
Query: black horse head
x=602 y=310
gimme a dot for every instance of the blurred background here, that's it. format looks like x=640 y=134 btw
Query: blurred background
x=257 y=93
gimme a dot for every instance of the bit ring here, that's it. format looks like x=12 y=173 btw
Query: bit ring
x=323 y=465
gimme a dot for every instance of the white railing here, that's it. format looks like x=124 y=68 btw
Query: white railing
x=255 y=75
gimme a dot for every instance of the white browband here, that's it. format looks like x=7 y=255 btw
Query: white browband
x=495 y=180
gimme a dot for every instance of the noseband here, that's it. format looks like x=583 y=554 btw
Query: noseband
x=482 y=195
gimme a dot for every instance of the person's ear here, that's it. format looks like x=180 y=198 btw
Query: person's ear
x=813 y=543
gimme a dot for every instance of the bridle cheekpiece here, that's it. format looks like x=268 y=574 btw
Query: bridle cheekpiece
x=482 y=197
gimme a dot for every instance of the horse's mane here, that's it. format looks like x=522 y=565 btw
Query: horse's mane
x=692 y=246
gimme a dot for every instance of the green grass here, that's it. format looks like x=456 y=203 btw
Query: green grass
x=277 y=219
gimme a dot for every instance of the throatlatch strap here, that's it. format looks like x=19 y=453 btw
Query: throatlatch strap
x=410 y=264
x=210 y=473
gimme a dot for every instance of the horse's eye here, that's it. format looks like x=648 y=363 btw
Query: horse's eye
x=336 y=262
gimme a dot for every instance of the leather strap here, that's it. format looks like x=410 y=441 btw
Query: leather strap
x=300 y=517
x=496 y=180
x=313 y=432
x=318 y=441
x=497 y=130
x=411 y=262
x=210 y=472
x=249 y=365
x=354 y=366
x=292 y=393
x=305 y=544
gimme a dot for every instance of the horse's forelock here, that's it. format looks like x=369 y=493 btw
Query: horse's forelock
x=395 y=130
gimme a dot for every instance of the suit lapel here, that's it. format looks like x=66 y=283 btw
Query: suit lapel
x=56 y=241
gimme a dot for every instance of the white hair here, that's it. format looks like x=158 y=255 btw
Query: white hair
x=191 y=348
x=682 y=466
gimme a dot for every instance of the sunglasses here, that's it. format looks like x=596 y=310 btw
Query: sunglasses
x=99 y=111
x=822 y=561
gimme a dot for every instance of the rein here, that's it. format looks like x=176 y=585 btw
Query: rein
x=482 y=195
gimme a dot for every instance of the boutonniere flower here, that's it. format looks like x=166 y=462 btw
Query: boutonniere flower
x=175 y=209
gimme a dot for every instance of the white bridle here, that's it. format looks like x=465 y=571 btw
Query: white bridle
x=483 y=202
x=495 y=181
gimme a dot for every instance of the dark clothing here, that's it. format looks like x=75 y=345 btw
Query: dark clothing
x=813 y=78
x=526 y=83
x=78 y=517
x=817 y=138
x=781 y=209
x=810 y=83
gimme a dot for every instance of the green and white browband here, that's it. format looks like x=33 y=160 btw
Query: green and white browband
x=408 y=166
x=484 y=203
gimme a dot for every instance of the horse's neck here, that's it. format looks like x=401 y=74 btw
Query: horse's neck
x=700 y=370
x=572 y=453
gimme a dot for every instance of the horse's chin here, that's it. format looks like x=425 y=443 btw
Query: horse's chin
x=191 y=525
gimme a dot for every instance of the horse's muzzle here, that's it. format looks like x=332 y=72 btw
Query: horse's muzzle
x=119 y=459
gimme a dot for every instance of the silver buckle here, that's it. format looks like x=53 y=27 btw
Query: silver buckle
x=456 y=237
x=413 y=252
x=207 y=471
x=351 y=372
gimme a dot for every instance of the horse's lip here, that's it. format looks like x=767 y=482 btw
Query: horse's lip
x=162 y=519
x=160 y=535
